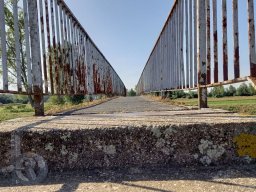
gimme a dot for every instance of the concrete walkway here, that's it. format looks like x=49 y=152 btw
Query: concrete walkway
x=123 y=112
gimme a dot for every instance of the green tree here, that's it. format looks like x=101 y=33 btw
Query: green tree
x=252 y=90
x=218 y=92
x=230 y=91
x=243 y=90
x=131 y=92
x=6 y=98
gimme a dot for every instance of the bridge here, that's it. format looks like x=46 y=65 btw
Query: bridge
x=54 y=55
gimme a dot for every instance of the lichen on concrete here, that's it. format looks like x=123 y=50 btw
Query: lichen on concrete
x=64 y=150
x=109 y=149
x=66 y=136
x=156 y=132
x=49 y=147
x=73 y=156
x=210 y=152
x=169 y=132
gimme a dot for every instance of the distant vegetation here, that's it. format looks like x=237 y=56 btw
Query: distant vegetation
x=7 y=99
x=131 y=93
x=240 y=100
x=15 y=106
x=217 y=92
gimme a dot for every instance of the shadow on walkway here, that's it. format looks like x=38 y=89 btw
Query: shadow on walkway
x=70 y=181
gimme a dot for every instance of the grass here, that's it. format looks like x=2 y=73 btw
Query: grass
x=13 y=111
x=245 y=105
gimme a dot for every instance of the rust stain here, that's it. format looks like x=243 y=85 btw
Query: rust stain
x=216 y=67
x=96 y=79
x=236 y=63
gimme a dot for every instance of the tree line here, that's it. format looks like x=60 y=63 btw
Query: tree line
x=217 y=92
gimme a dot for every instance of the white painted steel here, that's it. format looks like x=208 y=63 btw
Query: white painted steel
x=3 y=46
x=17 y=44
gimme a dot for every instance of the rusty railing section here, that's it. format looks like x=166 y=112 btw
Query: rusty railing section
x=195 y=36
x=53 y=54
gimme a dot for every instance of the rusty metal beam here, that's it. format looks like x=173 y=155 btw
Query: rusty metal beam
x=54 y=48
x=225 y=40
x=36 y=60
x=195 y=42
x=251 y=32
x=190 y=44
x=215 y=41
x=208 y=40
x=236 y=40
x=201 y=36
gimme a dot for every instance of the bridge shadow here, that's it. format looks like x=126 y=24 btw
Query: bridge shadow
x=138 y=178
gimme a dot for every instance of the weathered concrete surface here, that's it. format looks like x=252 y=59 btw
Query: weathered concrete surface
x=127 y=132
x=158 y=179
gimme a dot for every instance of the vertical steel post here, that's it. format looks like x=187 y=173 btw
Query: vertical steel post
x=225 y=40
x=178 y=46
x=73 y=56
x=49 y=51
x=190 y=45
x=43 y=44
x=251 y=32
x=175 y=49
x=186 y=30
x=171 y=53
x=58 y=60
x=54 y=50
x=28 y=55
x=3 y=46
x=195 y=43
x=17 y=44
x=215 y=41
x=36 y=60
x=236 y=39
x=201 y=44
x=208 y=41
x=181 y=24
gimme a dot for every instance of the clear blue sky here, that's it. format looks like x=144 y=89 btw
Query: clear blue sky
x=124 y=30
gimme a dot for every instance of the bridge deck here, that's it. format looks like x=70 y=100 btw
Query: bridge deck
x=123 y=112
x=148 y=140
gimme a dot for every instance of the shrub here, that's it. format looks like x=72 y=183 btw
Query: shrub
x=131 y=93
x=218 y=92
x=243 y=90
x=75 y=99
x=192 y=95
x=252 y=90
x=177 y=94
x=230 y=91
x=56 y=100
x=23 y=99
x=6 y=98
